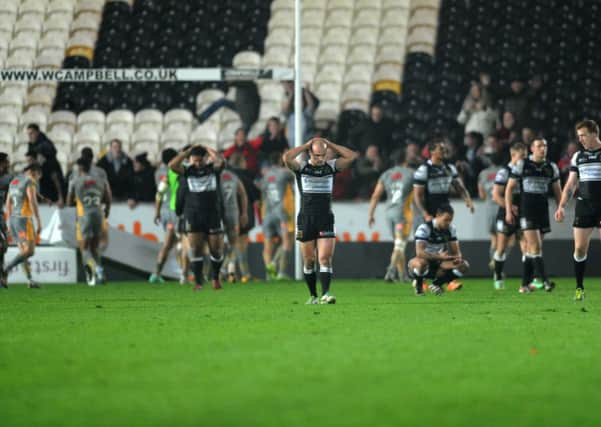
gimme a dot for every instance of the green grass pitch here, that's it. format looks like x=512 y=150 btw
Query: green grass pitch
x=255 y=355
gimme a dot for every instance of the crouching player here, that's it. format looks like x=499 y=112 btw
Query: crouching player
x=437 y=253
x=21 y=205
x=89 y=194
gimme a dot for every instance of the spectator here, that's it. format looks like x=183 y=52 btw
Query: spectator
x=412 y=156
x=144 y=188
x=246 y=103
x=472 y=161
x=508 y=133
x=566 y=159
x=375 y=130
x=517 y=102
x=309 y=105
x=52 y=182
x=527 y=136
x=477 y=114
x=368 y=169
x=536 y=106
x=272 y=140
x=241 y=145
x=120 y=172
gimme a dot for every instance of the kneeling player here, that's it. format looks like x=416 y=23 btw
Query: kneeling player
x=437 y=253
x=89 y=193
x=21 y=205
x=202 y=208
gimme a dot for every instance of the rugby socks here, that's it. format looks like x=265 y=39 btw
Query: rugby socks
x=579 y=268
x=499 y=265
x=216 y=265
x=447 y=277
x=197 y=264
x=27 y=269
x=419 y=280
x=539 y=266
x=16 y=261
x=311 y=279
x=283 y=265
x=325 y=277
x=528 y=270
x=278 y=255
x=243 y=257
x=159 y=266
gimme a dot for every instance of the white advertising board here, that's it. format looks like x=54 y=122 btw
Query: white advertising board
x=48 y=265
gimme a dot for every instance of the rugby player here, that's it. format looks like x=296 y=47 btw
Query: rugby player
x=202 y=208
x=315 y=221
x=506 y=232
x=585 y=174
x=89 y=192
x=397 y=184
x=437 y=253
x=534 y=175
x=21 y=206
x=5 y=179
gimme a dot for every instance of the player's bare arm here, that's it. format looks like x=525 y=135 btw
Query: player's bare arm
x=566 y=195
x=108 y=200
x=418 y=199
x=347 y=156
x=175 y=164
x=420 y=252
x=509 y=208
x=243 y=200
x=375 y=198
x=158 y=200
x=464 y=193
x=498 y=194
x=289 y=157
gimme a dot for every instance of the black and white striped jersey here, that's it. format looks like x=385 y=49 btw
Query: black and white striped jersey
x=436 y=240
x=437 y=180
x=587 y=164
x=315 y=185
x=535 y=181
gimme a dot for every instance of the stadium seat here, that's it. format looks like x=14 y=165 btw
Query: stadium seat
x=333 y=55
x=122 y=134
x=425 y=4
x=18 y=61
x=32 y=8
x=423 y=18
x=56 y=28
x=361 y=5
x=228 y=116
x=59 y=8
x=226 y=135
x=6 y=141
x=91 y=119
x=9 y=8
x=178 y=119
x=11 y=101
x=391 y=55
x=174 y=138
x=340 y=5
x=89 y=6
x=280 y=37
x=326 y=76
x=326 y=114
x=49 y=60
x=247 y=59
x=204 y=135
x=339 y=18
x=63 y=120
x=367 y=18
x=29 y=25
x=310 y=39
x=396 y=4
x=85 y=25
x=314 y=5
x=81 y=45
x=49 y=45
x=35 y=117
x=9 y=120
x=145 y=140
x=271 y=91
x=282 y=5
x=361 y=54
x=62 y=140
x=149 y=119
x=276 y=57
x=24 y=44
x=313 y=18
x=206 y=97
x=358 y=75
x=281 y=19
x=86 y=138
x=123 y=119
x=268 y=110
x=328 y=92
x=337 y=37
x=364 y=37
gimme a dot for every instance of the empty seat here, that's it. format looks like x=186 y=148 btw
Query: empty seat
x=23 y=44
x=325 y=76
x=337 y=37
x=276 y=57
x=341 y=5
x=91 y=119
x=332 y=55
x=367 y=18
x=66 y=120
x=282 y=5
x=226 y=135
x=339 y=18
x=56 y=27
x=204 y=135
x=86 y=138
x=62 y=140
x=358 y=75
x=149 y=118
x=368 y=5
x=18 y=61
x=145 y=140
x=28 y=25
x=178 y=119
x=424 y=17
x=81 y=45
x=280 y=37
x=6 y=141
x=85 y=25
x=271 y=91
x=313 y=18
x=33 y=117
x=314 y=5
x=9 y=120
x=281 y=19
x=48 y=60
x=364 y=37
x=59 y=8
x=361 y=54
x=247 y=59
x=392 y=55
x=396 y=4
x=120 y=119
x=9 y=8
x=32 y=8
x=89 y=6
x=328 y=92
x=174 y=138
x=425 y=4
x=11 y=101
x=206 y=97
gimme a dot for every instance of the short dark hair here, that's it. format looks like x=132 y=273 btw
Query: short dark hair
x=85 y=163
x=198 y=151
x=34 y=167
x=87 y=153
x=590 y=125
x=434 y=142
x=445 y=209
x=3 y=157
x=518 y=146
x=167 y=155
x=33 y=126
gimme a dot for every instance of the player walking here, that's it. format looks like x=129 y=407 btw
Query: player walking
x=274 y=184
x=535 y=176
x=202 y=208
x=21 y=206
x=315 y=221
x=505 y=230
x=397 y=183
x=585 y=174
x=89 y=193
x=437 y=253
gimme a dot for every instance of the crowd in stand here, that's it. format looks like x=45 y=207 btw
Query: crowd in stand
x=493 y=118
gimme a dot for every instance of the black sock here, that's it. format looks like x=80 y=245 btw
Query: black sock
x=419 y=283
x=499 y=266
x=325 y=277
x=447 y=277
x=539 y=267
x=528 y=269
x=216 y=266
x=196 y=264
x=311 y=279
x=16 y=261
x=579 y=267
x=159 y=267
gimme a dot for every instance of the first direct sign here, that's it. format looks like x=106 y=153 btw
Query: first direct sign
x=48 y=265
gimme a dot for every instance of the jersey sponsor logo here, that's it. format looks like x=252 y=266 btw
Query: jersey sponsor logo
x=226 y=176
x=439 y=185
x=317 y=184
x=396 y=176
x=89 y=183
x=15 y=182
x=589 y=171
x=201 y=184
x=535 y=184
x=271 y=178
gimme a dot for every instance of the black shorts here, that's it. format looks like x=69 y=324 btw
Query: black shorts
x=3 y=234
x=504 y=227
x=433 y=267
x=587 y=214
x=537 y=220
x=312 y=227
x=203 y=222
